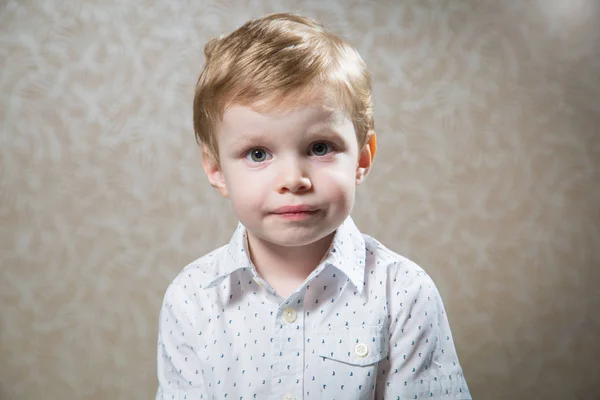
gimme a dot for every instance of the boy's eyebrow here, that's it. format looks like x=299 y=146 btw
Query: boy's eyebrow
x=248 y=137
x=325 y=130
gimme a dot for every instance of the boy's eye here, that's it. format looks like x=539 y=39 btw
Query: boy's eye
x=258 y=155
x=320 y=149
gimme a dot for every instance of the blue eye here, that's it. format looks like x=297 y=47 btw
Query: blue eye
x=320 y=149
x=258 y=155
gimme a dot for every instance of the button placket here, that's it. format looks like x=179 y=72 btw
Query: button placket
x=288 y=368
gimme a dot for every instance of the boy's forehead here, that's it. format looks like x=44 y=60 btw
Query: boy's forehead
x=264 y=115
x=321 y=95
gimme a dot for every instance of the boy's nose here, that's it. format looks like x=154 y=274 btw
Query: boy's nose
x=294 y=179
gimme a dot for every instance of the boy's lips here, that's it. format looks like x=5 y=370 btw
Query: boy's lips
x=300 y=209
x=295 y=213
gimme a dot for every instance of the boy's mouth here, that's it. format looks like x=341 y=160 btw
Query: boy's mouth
x=294 y=209
x=295 y=212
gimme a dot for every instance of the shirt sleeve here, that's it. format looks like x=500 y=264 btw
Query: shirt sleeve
x=422 y=360
x=179 y=369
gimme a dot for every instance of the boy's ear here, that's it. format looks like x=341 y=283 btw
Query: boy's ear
x=365 y=159
x=213 y=172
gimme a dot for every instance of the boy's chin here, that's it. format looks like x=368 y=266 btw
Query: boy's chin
x=296 y=242
x=297 y=237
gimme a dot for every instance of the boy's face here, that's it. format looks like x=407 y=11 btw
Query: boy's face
x=291 y=173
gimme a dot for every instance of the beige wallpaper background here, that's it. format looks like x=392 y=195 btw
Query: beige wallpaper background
x=487 y=175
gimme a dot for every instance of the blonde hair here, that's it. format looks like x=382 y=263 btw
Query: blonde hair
x=278 y=59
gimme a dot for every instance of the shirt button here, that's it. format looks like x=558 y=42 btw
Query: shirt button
x=361 y=350
x=289 y=397
x=290 y=314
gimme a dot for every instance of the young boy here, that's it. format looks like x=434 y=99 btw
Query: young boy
x=299 y=304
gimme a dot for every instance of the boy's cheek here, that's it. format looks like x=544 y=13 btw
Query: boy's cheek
x=241 y=185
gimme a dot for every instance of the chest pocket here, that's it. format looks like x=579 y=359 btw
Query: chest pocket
x=354 y=345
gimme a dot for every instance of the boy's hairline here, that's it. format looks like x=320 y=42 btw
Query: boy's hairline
x=332 y=75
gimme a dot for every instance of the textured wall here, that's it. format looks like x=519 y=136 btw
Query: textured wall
x=488 y=175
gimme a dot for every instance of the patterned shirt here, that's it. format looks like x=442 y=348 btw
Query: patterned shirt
x=366 y=324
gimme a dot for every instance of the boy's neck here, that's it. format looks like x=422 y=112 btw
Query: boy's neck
x=286 y=268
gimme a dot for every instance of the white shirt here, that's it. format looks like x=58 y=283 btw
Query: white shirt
x=366 y=324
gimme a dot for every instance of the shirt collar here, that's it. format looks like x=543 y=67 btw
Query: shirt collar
x=347 y=253
x=234 y=257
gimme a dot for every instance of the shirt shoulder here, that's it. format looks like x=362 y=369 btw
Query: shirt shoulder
x=400 y=270
x=200 y=272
